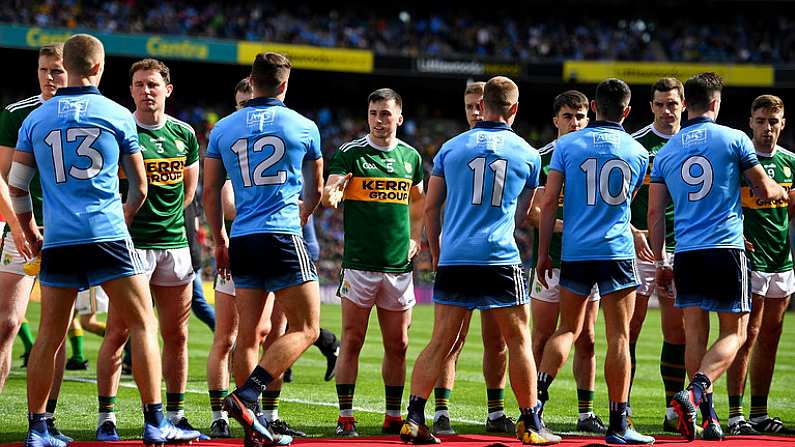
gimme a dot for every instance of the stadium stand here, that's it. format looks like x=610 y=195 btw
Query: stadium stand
x=747 y=35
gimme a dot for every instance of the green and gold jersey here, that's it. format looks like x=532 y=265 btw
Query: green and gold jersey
x=766 y=223
x=167 y=149
x=557 y=238
x=376 y=203
x=10 y=121
x=653 y=141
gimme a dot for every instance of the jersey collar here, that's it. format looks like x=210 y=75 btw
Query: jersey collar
x=606 y=124
x=697 y=120
x=82 y=90
x=264 y=101
x=492 y=125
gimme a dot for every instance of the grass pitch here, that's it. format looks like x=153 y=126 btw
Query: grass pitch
x=310 y=404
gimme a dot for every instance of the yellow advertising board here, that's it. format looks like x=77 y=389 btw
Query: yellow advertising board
x=311 y=58
x=648 y=72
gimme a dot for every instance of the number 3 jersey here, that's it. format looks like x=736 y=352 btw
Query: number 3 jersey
x=376 y=210
x=263 y=147
x=602 y=166
x=701 y=167
x=168 y=149
x=77 y=138
x=485 y=169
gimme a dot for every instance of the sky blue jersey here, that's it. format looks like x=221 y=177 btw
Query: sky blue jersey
x=77 y=138
x=263 y=147
x=702 y=167
x=485 y=170
x=602 y=166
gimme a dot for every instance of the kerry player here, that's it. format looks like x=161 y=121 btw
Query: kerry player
x=379 y=177
x=171 y=154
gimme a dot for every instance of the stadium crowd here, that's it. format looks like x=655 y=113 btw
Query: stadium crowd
x=747 y=36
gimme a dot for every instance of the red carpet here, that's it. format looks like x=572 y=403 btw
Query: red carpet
x=471 y=441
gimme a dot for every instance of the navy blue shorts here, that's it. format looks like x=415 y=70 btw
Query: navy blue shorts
x=87 y=265
x=270 y=261
x=610 y=276
x=480 y=286
x=715 y=279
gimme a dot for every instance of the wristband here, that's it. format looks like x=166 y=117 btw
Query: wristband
x=661 y=263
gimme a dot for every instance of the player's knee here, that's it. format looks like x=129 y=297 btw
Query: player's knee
x=176 y=337
x=585 y=343
x=311 y=332
x=397 y=347
x=353 y=339
x=115 y=336
x=9 y=325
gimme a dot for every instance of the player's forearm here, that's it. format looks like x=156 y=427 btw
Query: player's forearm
x=190 y=182
x=214 y=213
x=545 y=228
x=656 y=232
x=416 y=211
x=433 y=229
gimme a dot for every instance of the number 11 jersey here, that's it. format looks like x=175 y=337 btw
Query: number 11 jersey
x=263 y=147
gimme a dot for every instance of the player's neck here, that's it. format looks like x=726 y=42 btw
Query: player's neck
x=389 y=141
x=764 y=148
x=153 y=118
x=665 y=130
x=708 y=114
x=80 y=82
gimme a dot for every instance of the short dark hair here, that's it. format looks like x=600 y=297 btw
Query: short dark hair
x=268 y=71
x=151 y=64
x=244 y=86
x=770 y=103
x=700 y=89
x=385 y=94
x=612 y=97
x=666 y=85
x=499 y=95
x=574 y=99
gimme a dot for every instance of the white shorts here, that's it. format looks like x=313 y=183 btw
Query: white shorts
x=388 y=291
x=10 y=259
x=773 y=285
x=91 y=301
x=226 y=286
x=172 y=267
x=552 y=294
x=647 y=275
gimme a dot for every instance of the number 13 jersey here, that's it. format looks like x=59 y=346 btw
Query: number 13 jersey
x=77 y=138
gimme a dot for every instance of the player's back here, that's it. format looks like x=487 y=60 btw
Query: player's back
x=263 y=147
x=485 y=170
x=702 y=167
x=602 y=165
x=77 y=138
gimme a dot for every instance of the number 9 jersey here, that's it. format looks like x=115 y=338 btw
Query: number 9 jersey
x=702 y=167
x=77 y=138
x=602 y=166
x=263 y=147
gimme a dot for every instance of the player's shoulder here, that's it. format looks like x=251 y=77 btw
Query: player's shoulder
x=179 y=126
x=407 y=148
x=548 y=149
x=785 y=153
x=643 y=132
x=354 y=145
x=25 y=104
x=297 y=118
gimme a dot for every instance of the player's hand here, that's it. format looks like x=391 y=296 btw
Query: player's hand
x=544 y=269
x=222 y=261
x=24 y=247
x=338 y=190
x=781 y=194
x=642 y=248
x=664 y=277
x=749 y=247
x=414 y=248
